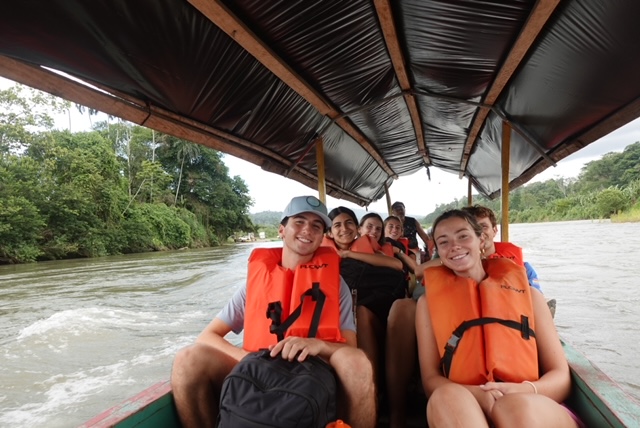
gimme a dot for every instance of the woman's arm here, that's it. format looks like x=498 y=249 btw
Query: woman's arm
x=555 y=381
x=372 y=259
x=428 y=354
x=406 y=259
x=422 y=233
x=429 y=263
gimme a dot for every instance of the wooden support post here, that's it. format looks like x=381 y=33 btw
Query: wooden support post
x=469 y=195
x=506 y=161
x=322 y=185
x=388 y=196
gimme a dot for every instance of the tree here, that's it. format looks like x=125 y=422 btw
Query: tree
x=21 y=223
x=66 y=194
x=185 y=150
x=611 y=201
x=21 y=116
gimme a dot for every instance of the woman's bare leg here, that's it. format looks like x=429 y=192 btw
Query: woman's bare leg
x=369 y=330
x=401 y=354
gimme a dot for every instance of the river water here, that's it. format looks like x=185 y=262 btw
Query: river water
x=79 y=336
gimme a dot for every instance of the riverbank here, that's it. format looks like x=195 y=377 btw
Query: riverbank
x=629 y=216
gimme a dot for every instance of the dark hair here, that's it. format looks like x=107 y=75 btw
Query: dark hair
x=479 y=211
x=373 y=215
x=462 y=214
x=397 y=204
x=342 y=210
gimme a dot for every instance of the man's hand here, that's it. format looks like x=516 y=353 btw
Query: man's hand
x=297 y=348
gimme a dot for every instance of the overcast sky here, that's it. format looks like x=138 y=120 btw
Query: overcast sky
x=271 y=192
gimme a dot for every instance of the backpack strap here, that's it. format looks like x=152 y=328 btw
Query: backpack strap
x=280 y=328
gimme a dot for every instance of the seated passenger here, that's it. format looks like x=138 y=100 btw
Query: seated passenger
x=486 y=218
x=401 y=350
x=200 y=369
x=411 y=227
x=393 y=236
x=495 y=375
x=401 y=325
x=375 y=279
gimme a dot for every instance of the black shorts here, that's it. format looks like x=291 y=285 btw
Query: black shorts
x=376 y=287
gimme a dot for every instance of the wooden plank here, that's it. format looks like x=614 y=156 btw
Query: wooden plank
x=322 y=188
x=597 y=398
x=136 y=111
x=538 y=18
x=387 y=24
x=224 y=19
x=505 y=150
x=152 y=407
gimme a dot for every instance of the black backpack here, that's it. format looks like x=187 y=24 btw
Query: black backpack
x=262 y=391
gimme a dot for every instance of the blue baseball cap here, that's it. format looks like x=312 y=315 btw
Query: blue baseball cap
x=306 y=204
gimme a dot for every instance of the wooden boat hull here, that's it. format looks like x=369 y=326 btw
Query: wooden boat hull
x=598 y=400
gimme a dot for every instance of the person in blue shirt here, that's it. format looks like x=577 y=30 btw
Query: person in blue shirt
x=487 y=220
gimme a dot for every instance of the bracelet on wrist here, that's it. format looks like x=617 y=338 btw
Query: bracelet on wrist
x=535 y=390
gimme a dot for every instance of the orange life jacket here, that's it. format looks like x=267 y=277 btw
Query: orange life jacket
x=509 y=251
x=387 y=249
x=328 y=242
x=363 y=244
x=492 y=324
x=404 y=241
x=268 y=282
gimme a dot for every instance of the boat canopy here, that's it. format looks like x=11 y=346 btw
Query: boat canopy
x=389 y=88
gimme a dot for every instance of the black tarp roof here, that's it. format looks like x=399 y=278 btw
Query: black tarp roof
x=390 y=86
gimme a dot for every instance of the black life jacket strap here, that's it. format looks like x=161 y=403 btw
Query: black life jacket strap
x=274 y=313
x=452 y=344
x=280 y=328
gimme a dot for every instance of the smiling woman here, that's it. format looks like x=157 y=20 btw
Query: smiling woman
x=488 y=385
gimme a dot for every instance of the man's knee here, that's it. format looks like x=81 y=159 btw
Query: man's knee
x=197 y=362
x=352 y=366
x=185 y=366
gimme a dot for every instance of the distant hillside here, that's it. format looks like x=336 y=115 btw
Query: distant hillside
x=266 y=218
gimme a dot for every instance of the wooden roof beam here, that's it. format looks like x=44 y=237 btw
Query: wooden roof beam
x=385 y=16
x=222 y=17
x=539 y=16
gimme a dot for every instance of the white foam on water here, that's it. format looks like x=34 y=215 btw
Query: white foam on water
x=78 y=321
x=63 y=393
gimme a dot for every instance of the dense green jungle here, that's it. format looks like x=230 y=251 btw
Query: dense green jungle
x=117 y=189
x=607 y=188
x=122 y=188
